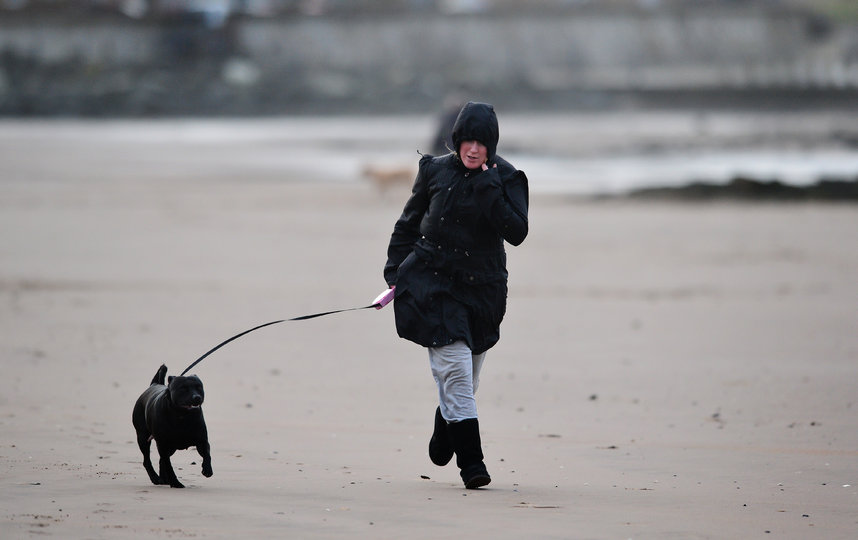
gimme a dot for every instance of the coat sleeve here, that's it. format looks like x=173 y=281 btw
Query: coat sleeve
x=504 y=203
x=406 y=231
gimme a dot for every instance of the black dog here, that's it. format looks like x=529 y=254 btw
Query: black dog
x=172 y=415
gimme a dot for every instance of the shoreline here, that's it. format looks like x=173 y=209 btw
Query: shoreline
x=589 y=154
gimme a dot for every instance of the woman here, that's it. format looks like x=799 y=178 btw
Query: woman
x=447 y=265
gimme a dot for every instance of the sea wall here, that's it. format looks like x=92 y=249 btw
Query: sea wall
x=402 y=62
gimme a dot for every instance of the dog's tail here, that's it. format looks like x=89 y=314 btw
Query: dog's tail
x=160 y=377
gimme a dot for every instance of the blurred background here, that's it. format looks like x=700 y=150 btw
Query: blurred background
x=636 y=93
x=173 y=172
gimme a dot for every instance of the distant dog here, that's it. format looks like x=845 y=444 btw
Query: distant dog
x=172 y=415
x=386 y=177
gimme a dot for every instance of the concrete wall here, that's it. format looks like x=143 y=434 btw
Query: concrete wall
x=592 y=50
x=417 y=59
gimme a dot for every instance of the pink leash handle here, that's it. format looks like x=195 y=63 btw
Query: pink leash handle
x=384 y=298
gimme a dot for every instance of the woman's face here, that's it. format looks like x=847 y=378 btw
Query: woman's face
x=473 y=154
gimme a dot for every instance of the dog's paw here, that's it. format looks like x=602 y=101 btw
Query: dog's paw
x=207 y=472
x=156 y=479
x=176 y=484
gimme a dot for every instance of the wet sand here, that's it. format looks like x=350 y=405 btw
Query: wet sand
x=664 y=371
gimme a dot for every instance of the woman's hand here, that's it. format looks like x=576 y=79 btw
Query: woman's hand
x=486 y=167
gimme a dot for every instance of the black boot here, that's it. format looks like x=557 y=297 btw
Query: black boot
x=440 y=448
x=465 y=436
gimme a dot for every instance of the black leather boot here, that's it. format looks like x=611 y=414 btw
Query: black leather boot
x=465 y=437
x=440 y=448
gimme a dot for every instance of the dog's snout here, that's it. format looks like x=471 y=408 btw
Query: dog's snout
x=197 y=399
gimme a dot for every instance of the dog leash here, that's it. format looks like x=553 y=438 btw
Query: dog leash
x=381 y=300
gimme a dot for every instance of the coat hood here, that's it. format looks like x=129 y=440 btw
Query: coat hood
x=477 y=122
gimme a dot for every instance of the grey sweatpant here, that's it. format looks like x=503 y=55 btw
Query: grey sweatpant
x=457 y=373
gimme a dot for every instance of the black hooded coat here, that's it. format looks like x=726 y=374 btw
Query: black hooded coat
x=446 y=255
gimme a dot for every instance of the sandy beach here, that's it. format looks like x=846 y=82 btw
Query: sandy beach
x=665 y=371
